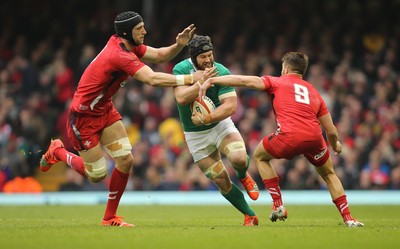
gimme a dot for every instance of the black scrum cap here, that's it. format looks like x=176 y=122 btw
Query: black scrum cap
x=199 y=44
x=124 y=23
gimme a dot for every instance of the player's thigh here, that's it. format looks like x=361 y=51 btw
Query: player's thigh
x=234 y=137
x=92 y=155
x=205 y=163
x=234 y=148
x=200 y=144
x=326 y=169
x=261 y=154
x=113 y=133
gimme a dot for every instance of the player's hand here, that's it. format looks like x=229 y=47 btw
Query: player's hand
x=209 y=73
x=183 y=38
x=199 y=119
x=203 y=88
x=203 y=75
x=338 y=148
x=197 y=76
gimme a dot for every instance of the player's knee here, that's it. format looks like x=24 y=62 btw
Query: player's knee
x=236 y=153
x=96 y=171
x=215 y=170
x=121 y=152
x=233 y=148
x=124 y=164
x=96 y=179
x=239 y=160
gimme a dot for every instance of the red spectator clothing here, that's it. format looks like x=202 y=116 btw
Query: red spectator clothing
x=297 y=106
x=105 y=75
x=65 y=85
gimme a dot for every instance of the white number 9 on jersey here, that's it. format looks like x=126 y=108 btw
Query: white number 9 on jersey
x=301 y=94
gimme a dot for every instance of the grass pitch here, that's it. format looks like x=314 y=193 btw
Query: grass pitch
x=205 y=227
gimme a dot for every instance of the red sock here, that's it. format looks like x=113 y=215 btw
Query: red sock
x=74 y=161
x=272 y=185
x=118 y=183
x=343 y=207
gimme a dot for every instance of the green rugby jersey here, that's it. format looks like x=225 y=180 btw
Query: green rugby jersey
x=185 y=113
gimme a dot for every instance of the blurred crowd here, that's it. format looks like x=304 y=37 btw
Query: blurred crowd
x=354 y=62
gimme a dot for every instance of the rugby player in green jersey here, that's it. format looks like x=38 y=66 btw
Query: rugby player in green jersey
x=209 y=135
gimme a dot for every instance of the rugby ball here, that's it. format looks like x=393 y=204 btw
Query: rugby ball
x=204 y=105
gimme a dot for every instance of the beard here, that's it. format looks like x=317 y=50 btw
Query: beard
x=205 y=65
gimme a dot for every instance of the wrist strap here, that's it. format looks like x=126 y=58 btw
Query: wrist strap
x=180 y=80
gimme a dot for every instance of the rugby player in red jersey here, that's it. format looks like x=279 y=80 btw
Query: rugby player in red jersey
x=300 y=112
x=94 y=124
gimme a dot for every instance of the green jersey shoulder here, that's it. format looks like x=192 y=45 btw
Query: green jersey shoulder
x=215 y=93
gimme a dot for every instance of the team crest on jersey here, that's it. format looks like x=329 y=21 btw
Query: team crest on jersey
x=87 y=143
x=123 y=83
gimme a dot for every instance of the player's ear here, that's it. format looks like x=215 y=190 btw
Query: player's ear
x=285 y=69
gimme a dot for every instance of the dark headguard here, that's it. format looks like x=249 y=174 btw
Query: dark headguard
x=198 y=45
x=124 y=24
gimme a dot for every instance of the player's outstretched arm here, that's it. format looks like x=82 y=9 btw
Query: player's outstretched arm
x=253 y=82
x=165 y=54
x=148 y=76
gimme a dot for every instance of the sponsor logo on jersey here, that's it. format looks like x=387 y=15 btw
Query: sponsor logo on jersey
x=318 y=156
x=83 y=107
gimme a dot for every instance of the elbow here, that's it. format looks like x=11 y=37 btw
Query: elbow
x=181 y=100
x=161 y=60
x=150 y=82
x=230 y=111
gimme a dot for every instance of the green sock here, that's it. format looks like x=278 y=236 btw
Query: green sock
x=236 y=198
x=242 y=172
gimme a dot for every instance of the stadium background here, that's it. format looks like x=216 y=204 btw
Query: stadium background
x=353 y=46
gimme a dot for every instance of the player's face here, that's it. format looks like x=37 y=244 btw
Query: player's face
x=205 y=60
x=138 y=33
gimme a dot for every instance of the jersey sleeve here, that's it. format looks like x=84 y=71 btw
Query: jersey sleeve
x=183 y=67
x=179 y=69
x=140 y=50
x=323 y=110
x=270 y=83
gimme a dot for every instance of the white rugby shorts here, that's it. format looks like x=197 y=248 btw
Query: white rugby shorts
x=201 y=144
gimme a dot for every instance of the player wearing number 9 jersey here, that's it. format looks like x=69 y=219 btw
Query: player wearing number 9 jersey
x=297 y=106
x=300 y=112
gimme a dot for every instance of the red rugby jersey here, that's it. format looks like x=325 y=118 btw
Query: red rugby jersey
x=105 y=75
x=297 y=106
